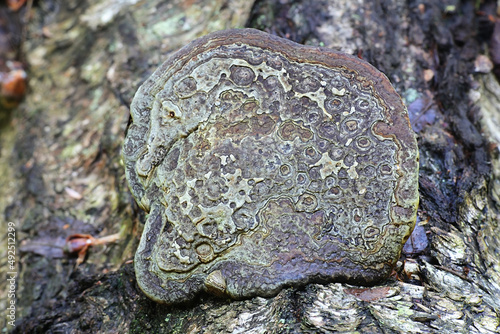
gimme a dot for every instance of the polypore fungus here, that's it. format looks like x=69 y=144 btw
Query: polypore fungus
x=263 y=164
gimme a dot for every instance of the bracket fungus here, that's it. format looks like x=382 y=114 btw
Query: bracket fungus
x=264 y=164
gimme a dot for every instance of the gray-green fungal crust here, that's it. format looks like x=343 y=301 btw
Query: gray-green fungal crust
x=263 y=164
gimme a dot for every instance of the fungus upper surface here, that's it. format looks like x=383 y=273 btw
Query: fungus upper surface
x=263 y=164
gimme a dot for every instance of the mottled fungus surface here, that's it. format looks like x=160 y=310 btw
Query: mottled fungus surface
x=262 y=164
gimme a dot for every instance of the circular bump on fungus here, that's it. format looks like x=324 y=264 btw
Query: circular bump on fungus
x=264 y=164
x=205 y=252
x=242 y=75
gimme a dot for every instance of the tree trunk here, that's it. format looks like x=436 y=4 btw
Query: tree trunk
x=62 y=172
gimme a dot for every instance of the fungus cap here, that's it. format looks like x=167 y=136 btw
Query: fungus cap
x=263 y=164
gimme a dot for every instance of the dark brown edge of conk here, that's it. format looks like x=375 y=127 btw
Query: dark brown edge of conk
x=299 y=53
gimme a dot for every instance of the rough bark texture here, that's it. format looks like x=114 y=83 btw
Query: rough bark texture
x=61 y=171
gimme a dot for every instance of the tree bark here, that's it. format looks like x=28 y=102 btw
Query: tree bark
x=61 y=170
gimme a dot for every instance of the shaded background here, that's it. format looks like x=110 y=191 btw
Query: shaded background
x=78 y=64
